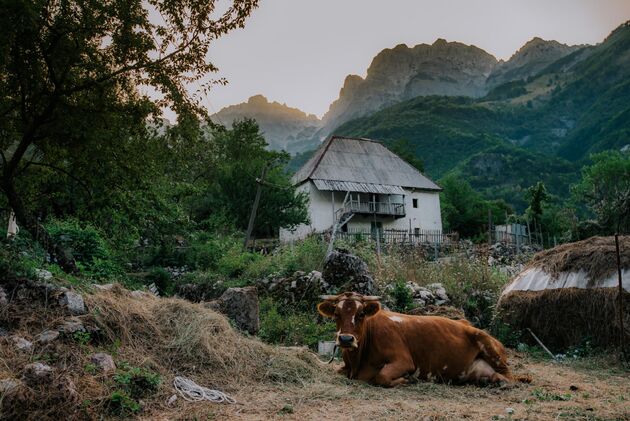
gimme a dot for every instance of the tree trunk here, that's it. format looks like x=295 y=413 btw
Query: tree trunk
x=32 y=225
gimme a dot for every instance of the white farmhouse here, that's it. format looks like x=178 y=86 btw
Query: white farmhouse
x=360 y=186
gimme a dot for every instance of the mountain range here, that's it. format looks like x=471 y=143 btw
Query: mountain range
x=503 y=125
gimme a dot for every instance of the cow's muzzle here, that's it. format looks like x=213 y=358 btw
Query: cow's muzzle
x=347 y=341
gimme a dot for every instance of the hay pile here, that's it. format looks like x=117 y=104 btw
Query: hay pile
x=168 y=336
x=569 y=294
x=596 y=256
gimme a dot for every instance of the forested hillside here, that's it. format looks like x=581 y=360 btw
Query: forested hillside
x=542 y=128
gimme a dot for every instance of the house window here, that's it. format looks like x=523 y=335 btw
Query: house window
x=415 y=203
x=416 y=232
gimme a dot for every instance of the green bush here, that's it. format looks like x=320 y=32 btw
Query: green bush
x=87 y=246
x=306 y=256
x=137 y=382
x=162 y=280
x=235 y=261
x=293 y=328
x=402 y=297
x=121 y=404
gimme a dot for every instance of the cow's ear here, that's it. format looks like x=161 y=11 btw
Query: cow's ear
x=370 y=308
x=326 y=309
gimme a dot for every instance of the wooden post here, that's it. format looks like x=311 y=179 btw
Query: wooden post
x=622 y=340
x=252 y=215
x=489 y=227
x=529 y=232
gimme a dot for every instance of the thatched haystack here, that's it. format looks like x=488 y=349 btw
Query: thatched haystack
x=570 y=293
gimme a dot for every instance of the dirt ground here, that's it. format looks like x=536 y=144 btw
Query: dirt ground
x=589 y=389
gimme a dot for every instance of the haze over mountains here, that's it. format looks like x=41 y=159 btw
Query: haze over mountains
x=502 y=125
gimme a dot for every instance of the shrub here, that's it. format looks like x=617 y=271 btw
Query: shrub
x=306 y=256
x=137 y=381
x=120 y=403
x=162 y=280
x=402 y=297
x=87 y=246
x=293 y=328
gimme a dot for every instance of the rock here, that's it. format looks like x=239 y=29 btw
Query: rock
x=21 y=344
x=300 y=289
x=439 y=310
x=140 y=294
x=241 y=306
x=37 y=373
x=347 y=272
x=198 y=292
x=9 y=386
x=43 y=275
x=153 y=289
x=103 y=361
x=3 y=332
x=71 y=326
x=439 y=291
x=73 y=302
x=47 y=336
x=103 y=287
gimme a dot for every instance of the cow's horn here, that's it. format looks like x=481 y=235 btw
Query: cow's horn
x=327 y=297
x=371 y=298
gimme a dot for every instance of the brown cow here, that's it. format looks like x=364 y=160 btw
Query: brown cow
x=387 y=348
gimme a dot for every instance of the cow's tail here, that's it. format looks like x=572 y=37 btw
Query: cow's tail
x=522 y=378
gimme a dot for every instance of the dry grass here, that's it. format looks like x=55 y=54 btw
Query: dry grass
x=565 y=317
x=550 y=396
x=168 y=336
x=596 y=256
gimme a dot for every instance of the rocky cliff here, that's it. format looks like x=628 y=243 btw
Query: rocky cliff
x=529 y=60
x=401 y=73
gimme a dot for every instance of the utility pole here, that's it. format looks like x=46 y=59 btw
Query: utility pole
x=252 y=216
x=622 y=341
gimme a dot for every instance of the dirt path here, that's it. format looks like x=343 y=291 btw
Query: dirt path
x=587 y=390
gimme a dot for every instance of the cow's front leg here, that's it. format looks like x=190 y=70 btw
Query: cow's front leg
x=394 y=373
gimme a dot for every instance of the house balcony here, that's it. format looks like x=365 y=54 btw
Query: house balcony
x=396 y=210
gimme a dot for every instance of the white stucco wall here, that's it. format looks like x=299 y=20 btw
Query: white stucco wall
x=425 y=217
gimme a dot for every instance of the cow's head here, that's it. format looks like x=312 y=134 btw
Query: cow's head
x=349 y=311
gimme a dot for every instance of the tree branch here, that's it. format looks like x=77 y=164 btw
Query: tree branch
x=61 y=170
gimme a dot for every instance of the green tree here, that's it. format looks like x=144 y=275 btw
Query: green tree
x=404 y=149
x=241 y=154
x=71 y=71
x=605 y=190
x=536 y=196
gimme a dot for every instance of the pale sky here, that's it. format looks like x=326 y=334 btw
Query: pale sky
x=298 y=52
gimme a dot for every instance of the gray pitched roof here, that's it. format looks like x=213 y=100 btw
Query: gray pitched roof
x=361 y=161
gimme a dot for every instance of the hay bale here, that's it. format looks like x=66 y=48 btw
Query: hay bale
x=570 y=293
x=596 y=256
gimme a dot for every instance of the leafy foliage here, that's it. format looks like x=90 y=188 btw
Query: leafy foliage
x=605 y=190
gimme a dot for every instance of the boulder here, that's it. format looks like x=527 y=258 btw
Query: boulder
x=43 y=275
x=71 y=325
x=103 y=287
x=9 y=386
x=21 y=344
x=73 y=302
x=346 y=272
x=432 y=294
x=241 y=306
x=37 y=373
x=47 y=336
x=299 y=289
x=103 y=361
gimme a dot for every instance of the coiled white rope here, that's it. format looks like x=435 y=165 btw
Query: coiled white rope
x=192 y=392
